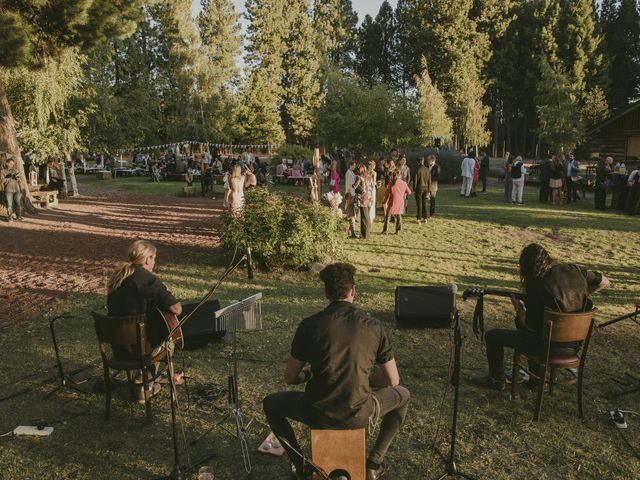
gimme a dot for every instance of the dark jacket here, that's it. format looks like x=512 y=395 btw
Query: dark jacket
x=422 y=179
x=545 y=170
x=484 y=165
x=435 y=172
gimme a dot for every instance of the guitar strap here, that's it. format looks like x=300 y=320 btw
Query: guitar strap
x=478 y=318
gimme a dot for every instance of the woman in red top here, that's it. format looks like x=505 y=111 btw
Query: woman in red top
x=394 y=201
x=476 y=177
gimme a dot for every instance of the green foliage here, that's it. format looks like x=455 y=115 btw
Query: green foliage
x=560 y=122
x=293 y=152
x=283 y=231
x=433 y=118
x=335 y=24
x=363 y=118
x=300 y=75
x=47 y=105
x=621 y=26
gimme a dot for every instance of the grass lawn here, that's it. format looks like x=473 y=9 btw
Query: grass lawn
x=471 y=242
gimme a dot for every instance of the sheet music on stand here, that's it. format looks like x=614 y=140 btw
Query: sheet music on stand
x=241 y=315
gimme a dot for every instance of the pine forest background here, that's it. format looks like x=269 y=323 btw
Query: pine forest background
x=524 y=76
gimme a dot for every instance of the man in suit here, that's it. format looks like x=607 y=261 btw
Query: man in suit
x=422 y=190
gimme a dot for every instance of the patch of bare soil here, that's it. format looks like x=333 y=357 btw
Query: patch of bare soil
x=73 y=248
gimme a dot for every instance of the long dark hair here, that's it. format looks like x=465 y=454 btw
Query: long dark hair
x=534 y=262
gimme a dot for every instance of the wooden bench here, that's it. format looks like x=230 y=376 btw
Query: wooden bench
x=339 y=450
x=45 y=199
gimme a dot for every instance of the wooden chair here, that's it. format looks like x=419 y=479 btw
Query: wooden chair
x=125 y=332
x=559 y=328
x=339 y=450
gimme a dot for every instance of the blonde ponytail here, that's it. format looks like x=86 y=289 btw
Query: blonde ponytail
x=139 y=251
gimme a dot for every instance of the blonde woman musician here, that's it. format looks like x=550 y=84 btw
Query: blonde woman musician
x=133 y=289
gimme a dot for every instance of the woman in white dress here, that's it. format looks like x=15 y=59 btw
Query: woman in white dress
x=372 y=183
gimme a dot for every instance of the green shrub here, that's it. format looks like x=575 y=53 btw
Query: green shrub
x=283 y=232
x=293 y=152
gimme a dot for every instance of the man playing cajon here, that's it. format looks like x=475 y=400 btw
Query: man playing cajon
x=334 y=351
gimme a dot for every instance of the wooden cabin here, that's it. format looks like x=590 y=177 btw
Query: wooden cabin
x=618 y=136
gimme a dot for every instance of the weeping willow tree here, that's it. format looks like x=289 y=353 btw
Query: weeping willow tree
x=36 y=34
x=46 y=104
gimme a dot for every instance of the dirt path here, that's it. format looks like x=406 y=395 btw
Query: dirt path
x=74 y=247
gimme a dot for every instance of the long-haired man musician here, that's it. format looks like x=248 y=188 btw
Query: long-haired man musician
x=334 y=352
x=560 y=287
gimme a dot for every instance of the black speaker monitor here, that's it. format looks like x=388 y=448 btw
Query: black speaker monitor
x=199 y=329
x=425 y=307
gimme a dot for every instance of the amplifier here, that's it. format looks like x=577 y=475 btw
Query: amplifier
x=425 y=307
x=200 y=329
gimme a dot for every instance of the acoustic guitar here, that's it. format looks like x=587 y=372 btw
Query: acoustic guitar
x=480 y=292
x=168 y=321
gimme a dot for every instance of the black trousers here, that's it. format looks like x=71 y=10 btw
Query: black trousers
x=432 y=206
x=572 y=189
x=633 y=195
x=545 y=191
x=483 y=179
x=365 y=222
x=521 y=340
x=422 y=204
x=282 y=406
x=397 y=218
x=600 y=196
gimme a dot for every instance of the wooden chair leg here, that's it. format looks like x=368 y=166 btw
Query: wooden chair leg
x=552 y=379
x=107 y=387
x=513 y=375
x=147 y=396
x=132 y=389
x=580 y=409
x=541 y=385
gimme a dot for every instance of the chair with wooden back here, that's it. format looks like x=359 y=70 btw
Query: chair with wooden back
x=126 y=332
x=559 y=328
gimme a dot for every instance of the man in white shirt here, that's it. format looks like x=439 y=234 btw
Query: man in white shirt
x=350 y=195
x=468 y=164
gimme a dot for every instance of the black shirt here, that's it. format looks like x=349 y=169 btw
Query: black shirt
x=341 y=344
x=435 y=172
x=545 y=170
x=564 y=288
x=135 y=294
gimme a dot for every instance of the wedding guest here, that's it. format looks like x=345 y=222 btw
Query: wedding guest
x=394 y=200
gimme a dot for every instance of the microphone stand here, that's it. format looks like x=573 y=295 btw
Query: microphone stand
x=451 y=469
x=179 y=471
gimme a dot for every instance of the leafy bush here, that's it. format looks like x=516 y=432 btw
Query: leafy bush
x=293 y=152
x=283 y=231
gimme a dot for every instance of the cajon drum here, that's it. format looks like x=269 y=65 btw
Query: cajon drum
x=339 y=450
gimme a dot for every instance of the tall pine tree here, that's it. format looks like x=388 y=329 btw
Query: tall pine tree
x=266 y=47
x=300 y=76
x=621 y=26
x=433 y=121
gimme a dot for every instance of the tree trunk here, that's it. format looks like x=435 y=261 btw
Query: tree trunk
x=9 y=144
x=72 y=173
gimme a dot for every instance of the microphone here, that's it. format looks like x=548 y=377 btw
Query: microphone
x=249 y=264
x=453 y=288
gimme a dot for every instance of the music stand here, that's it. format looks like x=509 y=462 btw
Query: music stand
x=242 y=315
